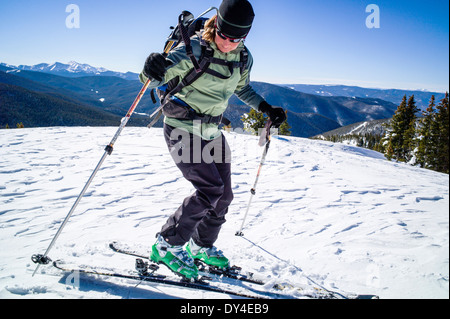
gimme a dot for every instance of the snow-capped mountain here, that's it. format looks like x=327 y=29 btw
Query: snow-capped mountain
x=70 y=69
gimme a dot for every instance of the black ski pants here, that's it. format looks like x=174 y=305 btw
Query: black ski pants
x=206 y=164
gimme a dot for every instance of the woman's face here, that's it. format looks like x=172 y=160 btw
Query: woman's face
x=225 y=45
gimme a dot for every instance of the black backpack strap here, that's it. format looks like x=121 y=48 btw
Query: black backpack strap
x=190 y=78
x=209 y=55
x=152 y=95
x=230 y=65
x=187 y=43
x=244 y=59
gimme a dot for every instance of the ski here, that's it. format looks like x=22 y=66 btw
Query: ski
x=144 y=276
x=236 y=273
x=233 y=272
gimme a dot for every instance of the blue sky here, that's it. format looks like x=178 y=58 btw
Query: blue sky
x=292 y=41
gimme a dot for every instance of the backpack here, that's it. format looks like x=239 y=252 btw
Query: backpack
x=174 y=107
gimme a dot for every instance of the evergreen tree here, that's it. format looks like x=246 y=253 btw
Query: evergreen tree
x=254 y=120
x=426 y=147
x=394 y=136
x=284 y=129
x=401 y=135
x=433 y=146
x=409 y=143
x=442 y=138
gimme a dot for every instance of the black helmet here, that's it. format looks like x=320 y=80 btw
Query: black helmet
x=235 y=18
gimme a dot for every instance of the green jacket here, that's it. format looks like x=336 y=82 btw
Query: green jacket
x=208 y=94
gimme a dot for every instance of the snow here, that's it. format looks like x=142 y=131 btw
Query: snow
x=359 y=127
x=340 y=216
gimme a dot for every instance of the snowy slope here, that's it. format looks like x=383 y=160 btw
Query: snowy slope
x=339 y=215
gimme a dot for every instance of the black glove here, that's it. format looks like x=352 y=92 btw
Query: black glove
x=276 y=114
x=155 y=66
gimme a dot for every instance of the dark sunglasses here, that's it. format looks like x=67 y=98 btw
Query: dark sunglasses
x=224 y=37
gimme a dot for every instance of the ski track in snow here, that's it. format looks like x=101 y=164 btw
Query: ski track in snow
x=335 y=214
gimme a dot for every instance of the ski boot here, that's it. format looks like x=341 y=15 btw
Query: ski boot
x=175 y=258
x=210 y=256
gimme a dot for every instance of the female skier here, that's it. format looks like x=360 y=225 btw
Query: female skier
x=191 y=132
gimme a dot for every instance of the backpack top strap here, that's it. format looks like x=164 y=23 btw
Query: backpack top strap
x=187 y=42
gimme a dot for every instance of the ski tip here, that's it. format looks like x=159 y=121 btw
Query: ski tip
x=112 y=246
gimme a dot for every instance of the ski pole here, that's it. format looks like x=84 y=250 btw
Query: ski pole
x=43 y=259
x=265 y=138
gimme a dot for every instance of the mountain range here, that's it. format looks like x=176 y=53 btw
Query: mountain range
x=111 y=93
x=70 y=69
x=422 y=98
x=75 y=69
